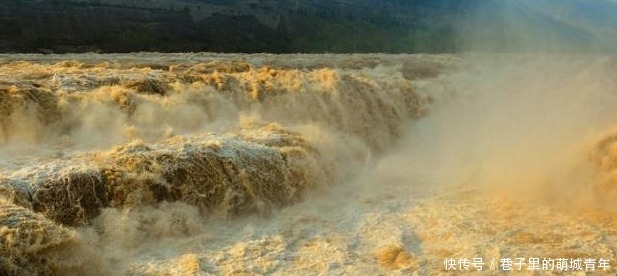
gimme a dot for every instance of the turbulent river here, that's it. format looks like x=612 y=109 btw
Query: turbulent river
x=197 y=164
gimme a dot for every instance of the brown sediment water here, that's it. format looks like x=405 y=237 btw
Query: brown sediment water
x=192 y=164
x=215 y=173
x=33 y=244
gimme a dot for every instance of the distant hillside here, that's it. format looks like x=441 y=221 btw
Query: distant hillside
x=282 y=26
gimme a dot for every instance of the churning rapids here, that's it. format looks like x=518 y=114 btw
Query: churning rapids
x=193 y=164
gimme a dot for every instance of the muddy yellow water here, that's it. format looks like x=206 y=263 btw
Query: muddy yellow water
x=198 y=164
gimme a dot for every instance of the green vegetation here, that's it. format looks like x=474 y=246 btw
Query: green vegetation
x=337 y=26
